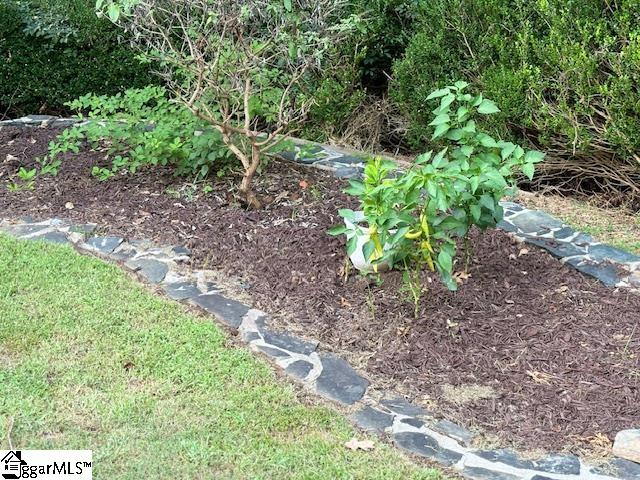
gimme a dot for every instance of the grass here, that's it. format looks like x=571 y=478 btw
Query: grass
x=91 y=360
x=616 y=227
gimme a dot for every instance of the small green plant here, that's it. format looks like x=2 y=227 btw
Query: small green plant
x=414 y=218
x=412 y=288
x=140 y=129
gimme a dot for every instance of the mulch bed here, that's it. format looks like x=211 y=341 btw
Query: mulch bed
x=528 y=349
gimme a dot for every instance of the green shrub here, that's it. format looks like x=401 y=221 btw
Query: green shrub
x=141 y=128
x=414 y=218
x=566 y=73
x=52 y=51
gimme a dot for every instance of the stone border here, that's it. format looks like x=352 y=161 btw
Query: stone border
x=612 y=266
x=409 y=426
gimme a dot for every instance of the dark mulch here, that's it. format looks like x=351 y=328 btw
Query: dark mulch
x=528 y=349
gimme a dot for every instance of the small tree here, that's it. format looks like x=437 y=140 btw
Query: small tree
x=240 y=65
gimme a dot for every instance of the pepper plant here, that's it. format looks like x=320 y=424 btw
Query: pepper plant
x=416 y=217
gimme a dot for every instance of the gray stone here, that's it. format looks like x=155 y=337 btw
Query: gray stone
x=299 y=369
x=372 y=420
x=181 y=290
x=123 y=253
x=37 y=118
x=564 y=232
x=627 y=445
x=225 y=309
x=403 y=407
x=182 y=251
x=507 y=226
x=541 y=477
x=152 y=270
x=350 y=159
x=85 y=229
x=52 y=237
x=250 y=336
x=289 y=342
x=63 y=122
x=455 y=431
x=559 y=249
x=339 y=381
x=104 y=245
x=607 y=273
x=513 y=206
x=24 y=230
x=606 y=252
x=412 y=421
x=532 y=221
x=348 y=172
x=504 y=456
x=426 y=446
x=478 y=473
x=619 y=468
x=563 y=464
x=273 y=352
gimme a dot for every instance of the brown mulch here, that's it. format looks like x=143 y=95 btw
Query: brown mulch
x=528 y=349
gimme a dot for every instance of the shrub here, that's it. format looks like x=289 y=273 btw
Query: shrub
x=142 y=129
x=566 y=73
x=239 y=66
x=415 y=217
x=52 y=51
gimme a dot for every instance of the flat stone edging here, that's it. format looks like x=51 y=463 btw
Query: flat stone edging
x=409 y=426
x=612 y=266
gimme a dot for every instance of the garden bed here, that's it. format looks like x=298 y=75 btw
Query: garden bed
x=528 y=350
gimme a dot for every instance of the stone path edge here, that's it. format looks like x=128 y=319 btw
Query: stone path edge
x=409 y=426
x=611 y=266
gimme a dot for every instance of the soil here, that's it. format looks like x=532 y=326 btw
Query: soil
x=528 y=350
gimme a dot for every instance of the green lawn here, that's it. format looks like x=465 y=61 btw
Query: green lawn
x=91 y=360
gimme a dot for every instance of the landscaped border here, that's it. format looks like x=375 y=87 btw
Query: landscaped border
x=409 y=426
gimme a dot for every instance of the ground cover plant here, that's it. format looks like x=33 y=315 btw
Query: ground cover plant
x=417 y=215
x=149 y=387
x=492 y=356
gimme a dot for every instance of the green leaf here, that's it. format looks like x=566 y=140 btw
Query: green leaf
x=337 y=230
x=467 y=150
x=446 y=101
x=352 y=244
x=347 y=214
x=438 y=93
x=529 y=170
x=440 y=119
x=506 y=149
x=368 y=250
x=476 y=211
x=533 y=156
x=461 y=85
x=487 y=107
x=113 y=11
x=445 y=261
x=440 y=130
x=287 y=5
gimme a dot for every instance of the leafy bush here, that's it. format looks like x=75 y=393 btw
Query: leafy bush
x=239 y=66
x=414 y=217
x=139 y=129
x=52 y=51
x=566 y=73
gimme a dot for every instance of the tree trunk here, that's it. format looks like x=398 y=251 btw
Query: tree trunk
x=245 y=186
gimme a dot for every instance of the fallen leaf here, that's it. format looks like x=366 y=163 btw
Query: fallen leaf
x=304 y=184
x=562 y=289
x=460 y=277
x=11 y=158
x=523 y=251
x=355 y=444
x=69 y=206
